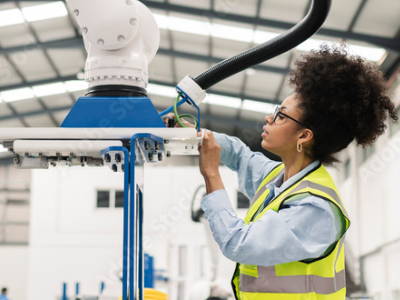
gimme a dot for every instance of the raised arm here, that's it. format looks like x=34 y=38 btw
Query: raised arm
x=252 y=167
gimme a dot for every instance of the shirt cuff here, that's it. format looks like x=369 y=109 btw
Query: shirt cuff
x=215 y=202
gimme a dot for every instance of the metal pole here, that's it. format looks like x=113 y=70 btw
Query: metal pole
x=64 y=296
x=132 y=225
x=140 y=246
x=126 y=228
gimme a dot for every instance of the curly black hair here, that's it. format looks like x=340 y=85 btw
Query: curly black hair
x=342 y=98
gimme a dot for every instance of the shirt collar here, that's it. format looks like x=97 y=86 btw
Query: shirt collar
x=279 y=185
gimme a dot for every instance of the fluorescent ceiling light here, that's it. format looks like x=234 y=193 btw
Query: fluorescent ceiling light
x=189 y=26
x=261 y=36
x=49 y=89
x=162 y=90
x=369 y=53
x=11 y=17
x=2 y=149
x=16 y=95
x=232 y=33
x=373 y=54
x=247 y=35
x=44 y=11
x=257 y=106
x=223 y=101
x=76 y=85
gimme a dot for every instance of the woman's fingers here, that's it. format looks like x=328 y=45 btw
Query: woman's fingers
x=170 y=116
x=210 y=153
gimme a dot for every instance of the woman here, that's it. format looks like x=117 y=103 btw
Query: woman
x=290 y=244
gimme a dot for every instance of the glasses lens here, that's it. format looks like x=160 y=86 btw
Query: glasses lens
x=276 y=113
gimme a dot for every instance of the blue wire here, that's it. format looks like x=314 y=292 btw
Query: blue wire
x=184 y=100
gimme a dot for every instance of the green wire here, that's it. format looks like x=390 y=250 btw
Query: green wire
x=178 y=117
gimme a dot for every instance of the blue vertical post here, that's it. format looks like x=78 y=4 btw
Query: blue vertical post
x=102 y=286
x=126 y=224
x=77 y=289
x=140 y=243
x=64 y=295
x=135 y=223
x=125 y=253
x=148 y=271
x=132 y=225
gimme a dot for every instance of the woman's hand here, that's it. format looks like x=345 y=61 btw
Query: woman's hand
x=210 y=153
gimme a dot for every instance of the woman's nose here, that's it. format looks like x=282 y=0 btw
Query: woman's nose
x=268 y=119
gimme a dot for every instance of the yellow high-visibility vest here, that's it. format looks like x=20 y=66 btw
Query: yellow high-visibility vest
x=320 y=279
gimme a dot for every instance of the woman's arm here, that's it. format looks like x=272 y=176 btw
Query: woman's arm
x=252 y=167
x=305 y=229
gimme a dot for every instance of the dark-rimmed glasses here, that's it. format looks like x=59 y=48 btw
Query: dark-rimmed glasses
x=278 y=112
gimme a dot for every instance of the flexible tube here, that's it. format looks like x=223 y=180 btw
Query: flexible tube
x=316 y=16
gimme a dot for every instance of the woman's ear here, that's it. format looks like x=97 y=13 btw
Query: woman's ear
x=306 y=136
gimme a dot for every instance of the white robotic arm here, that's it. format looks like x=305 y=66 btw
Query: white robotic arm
x=121 y=38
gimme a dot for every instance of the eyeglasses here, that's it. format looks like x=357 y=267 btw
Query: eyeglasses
x=278 y=112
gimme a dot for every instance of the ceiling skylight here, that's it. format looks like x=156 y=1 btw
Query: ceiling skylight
x=49 y=89
x=11 y=17
x=162 y=90
x=197 y=27
x=370 y=53
x=247 y=35
x=76 y=85
x=223 y=101
x=32 y=13
x=257 y=106
x=18 y=94
x=44 y=11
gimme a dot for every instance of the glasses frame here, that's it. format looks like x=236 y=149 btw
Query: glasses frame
x=278 y=112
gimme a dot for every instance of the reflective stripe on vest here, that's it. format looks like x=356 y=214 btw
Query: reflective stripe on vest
x=323 y=278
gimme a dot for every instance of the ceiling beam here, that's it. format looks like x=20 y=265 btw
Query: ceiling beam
x=357 y=15
x=388 y=43
x=73 y=77
x=38 y=82
x=78 y=43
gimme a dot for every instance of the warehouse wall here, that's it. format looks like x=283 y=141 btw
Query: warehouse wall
x=14 y=228
x=14 y=270
x=73 y=241
x=371 y=192
x=70 y=239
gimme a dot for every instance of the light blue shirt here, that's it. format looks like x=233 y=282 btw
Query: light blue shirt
x=304 y=228
x=3 y=297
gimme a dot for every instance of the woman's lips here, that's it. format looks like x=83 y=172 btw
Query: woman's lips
x=265 y=133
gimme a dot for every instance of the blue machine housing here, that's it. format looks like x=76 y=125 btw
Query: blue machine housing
x=108 y=112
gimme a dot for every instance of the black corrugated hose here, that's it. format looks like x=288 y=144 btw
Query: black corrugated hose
x=296 y=35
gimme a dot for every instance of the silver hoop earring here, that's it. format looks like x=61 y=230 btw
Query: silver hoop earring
x=299 y=147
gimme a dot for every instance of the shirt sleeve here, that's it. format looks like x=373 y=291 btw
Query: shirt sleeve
x=251 y=167
x=304 y=228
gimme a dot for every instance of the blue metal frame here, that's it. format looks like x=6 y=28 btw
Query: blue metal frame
x=188 y=99
x=171 y=108
x=64 y=295
x=108 y=112
x=148 y=271
x=133 y=254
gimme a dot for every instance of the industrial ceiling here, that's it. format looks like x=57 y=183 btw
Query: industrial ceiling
x=42 y=55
